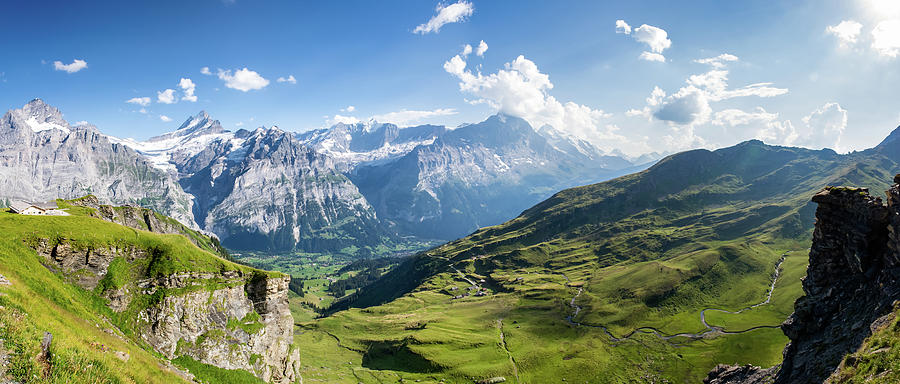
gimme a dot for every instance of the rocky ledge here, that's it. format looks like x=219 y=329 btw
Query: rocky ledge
x=852 y=282
x=232 y=319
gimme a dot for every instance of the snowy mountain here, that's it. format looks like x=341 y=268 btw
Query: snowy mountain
x=350 y=186
x=479 y=175
x=43 y=157
x=264 y=189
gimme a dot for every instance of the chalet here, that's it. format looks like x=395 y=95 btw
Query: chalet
x=49 y=208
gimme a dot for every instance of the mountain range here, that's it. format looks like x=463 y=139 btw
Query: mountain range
x=661 y=274
x=364 y=188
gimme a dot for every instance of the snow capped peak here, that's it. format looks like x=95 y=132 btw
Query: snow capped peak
x=39 y=116
x=198 y=125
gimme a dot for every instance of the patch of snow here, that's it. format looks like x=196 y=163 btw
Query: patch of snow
x=39 y=126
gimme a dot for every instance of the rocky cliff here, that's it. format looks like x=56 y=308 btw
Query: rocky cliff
x=43 y=157
x=852 y=282
x=224 y=315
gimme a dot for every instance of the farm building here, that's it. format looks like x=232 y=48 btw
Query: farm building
x=24 y=208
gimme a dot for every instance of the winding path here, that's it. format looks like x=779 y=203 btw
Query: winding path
x=711 y=330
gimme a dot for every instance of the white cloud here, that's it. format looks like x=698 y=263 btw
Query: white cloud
x=81 y=123
x=691 y=103
x=166 y=97
x=342 y=120
x=824 y=127
x=466 y=50
x=623 y=27
x=406 y=118
x=205 y=71
x=657 y=39
x=243 y=80
x=349 y=108
x=718 y=61
x=482 y=48
x=886 y=38
x=846 y=31
x=652 y=57
x=143 y=110
x=75 y=66
x=735 y=117
x=446 y=14
x=520 y=89
x=289 y=79
x=165 y=118
x=142 y=101
x=188 y=87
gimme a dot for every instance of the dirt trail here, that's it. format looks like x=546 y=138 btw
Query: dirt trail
x=506 y=348
x=711 y=330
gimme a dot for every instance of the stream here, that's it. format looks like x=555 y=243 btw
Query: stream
x=711 y=330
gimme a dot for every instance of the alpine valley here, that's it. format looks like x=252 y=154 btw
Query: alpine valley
x=679 y=271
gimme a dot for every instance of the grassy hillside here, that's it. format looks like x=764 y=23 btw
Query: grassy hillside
x=91 y=343
x=609 y=278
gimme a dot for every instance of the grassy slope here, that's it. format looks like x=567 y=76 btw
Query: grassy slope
x=700 y=229
x=85 y=332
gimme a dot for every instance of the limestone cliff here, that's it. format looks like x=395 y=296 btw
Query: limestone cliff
x=229 y=316
x=852 y=282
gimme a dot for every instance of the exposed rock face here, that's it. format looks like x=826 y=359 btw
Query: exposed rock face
x=852 y=280
x=246 y=325
x=746 y=374
x=228 y=319
x=42 y=157
x=138 y=218
x=271 y=192
x=479 y=175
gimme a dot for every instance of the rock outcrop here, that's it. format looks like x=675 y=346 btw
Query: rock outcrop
x=853 y=280
x=232 y=318
x=43 y=157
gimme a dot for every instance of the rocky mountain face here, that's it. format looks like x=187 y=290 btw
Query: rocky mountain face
x=235 y=318
x=852 y=284
x=43 y=157
x=365 y=185
x=264 y=189
x=479 y=175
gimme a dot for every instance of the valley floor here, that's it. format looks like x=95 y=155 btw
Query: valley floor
x=530 y=327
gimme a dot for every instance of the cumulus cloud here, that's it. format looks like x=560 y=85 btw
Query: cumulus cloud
x=886 y=38
x=652 y=57
x=466 y=50
x=349 y=108
x=482 y=48
x=521 y=89
x=188 y=87
x=205 y=71
x=165 y=118
x=657 y=39
x=824 y=127
x=446 y=14
x=243 y=79
x=406 y=118
x=142 y=101
x=166 y=97
x=692 y=117
x=847 y=32
x=623 y=27
x=336 y=119
x=72 y=67
x=289 y=79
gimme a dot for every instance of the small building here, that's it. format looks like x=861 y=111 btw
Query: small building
x=24 y=208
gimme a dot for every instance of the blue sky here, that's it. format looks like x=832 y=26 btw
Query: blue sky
x=823 y=87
